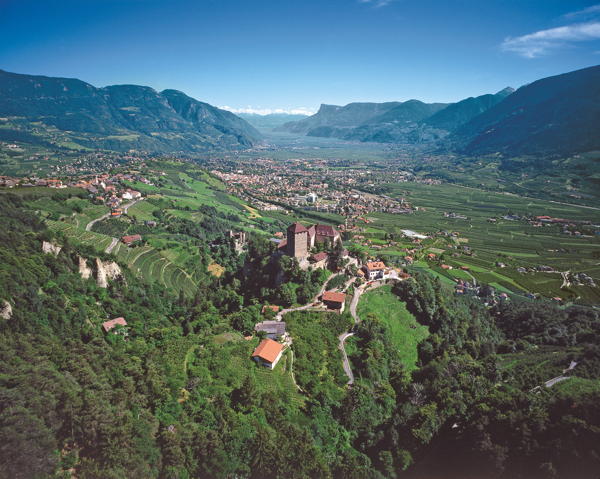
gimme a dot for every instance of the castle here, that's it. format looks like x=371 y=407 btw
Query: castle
x=301 y=239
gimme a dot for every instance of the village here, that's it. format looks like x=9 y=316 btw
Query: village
x=312 y=186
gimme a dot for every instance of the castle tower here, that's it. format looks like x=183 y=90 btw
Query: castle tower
x=297 y=241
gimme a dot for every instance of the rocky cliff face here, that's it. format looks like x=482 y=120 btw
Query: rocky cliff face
x=5 y=310
x=84 y=270
x=106 y=271
x=51 y=248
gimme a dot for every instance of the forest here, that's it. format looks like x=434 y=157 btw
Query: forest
x=176 y=395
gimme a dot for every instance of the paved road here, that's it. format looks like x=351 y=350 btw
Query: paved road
x=111 y=246
x=88 y=227
x=353 y=305
x=279 y=316
x=345 y=361
x=557 y=379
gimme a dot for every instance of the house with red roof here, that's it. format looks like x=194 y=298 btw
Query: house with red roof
x=268 y=353
x=130 y=239
x=334 y=301
x=113 y=323
x=374 y=270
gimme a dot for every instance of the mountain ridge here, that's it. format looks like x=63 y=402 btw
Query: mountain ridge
x=553 y=115
x=121 y=117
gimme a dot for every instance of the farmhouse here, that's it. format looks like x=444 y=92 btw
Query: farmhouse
x=374 y=270
x=130 y=239
x=108 y=325
x=268 y=353
x=334 y=301
x=273 y=329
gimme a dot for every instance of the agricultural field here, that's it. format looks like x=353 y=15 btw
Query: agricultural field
x=403 y=329
x=492 y=251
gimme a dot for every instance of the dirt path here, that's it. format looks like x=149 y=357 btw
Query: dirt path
x=292 y=371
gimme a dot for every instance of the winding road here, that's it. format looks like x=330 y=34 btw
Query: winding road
x=353 y=305
x=114 y=241
x=88 y=227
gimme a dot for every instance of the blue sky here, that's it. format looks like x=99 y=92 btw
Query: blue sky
x=289 y=54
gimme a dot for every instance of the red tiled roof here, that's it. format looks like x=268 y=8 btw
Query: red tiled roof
x=108 y=325
x=268 y=350
x=272 y=307
x=375 y=265
x=131 y=238
x=296 y=228
x=319 y=256
x=282 y=244
x=326 y=230
x=334 y=297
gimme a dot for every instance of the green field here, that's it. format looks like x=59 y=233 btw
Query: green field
x=403 y=329
x=514 y=243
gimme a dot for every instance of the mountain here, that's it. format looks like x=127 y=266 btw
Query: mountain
x=400 y=124
x=408 y=111
x=412 y=121
x=119 y=117
x=272 y=120
x=463 y=111
x=555 y=115
x=339 y=117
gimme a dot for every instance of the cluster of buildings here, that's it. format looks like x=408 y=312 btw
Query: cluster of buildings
x=311 y=185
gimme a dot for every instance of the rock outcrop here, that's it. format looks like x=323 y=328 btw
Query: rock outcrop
x=84 y=270
x=5 y=310
x=51 y=248
x=106 y=271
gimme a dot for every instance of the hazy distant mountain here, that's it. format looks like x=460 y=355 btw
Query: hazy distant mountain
x=555 y=115
x=463 y=111
x=270 y=121
x=410 y=122
x=400 y=124
x=120 y=117
x=408 y=111
x=339 y=117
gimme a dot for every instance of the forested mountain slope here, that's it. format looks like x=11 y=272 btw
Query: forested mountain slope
x=119 y=117
x=551 y=116
x=175 y=393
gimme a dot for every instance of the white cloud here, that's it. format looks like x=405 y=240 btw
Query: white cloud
x=592 y=11
x=267 y=111
x=541 y=42
x=377 y=3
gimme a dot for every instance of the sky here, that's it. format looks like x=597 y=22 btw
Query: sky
x=293 y=55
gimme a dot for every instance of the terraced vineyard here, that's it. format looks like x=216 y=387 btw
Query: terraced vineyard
x=95 y=240
x=150 y=264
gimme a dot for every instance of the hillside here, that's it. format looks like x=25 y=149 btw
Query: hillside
x=463 y=111
x=409 y=122
x=69 y=112
x=555 y=115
